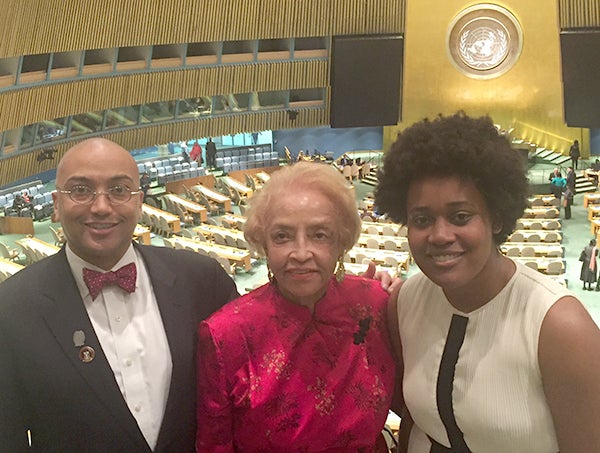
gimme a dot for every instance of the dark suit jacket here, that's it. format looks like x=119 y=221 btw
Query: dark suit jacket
x=571 y=181
x=72 y=406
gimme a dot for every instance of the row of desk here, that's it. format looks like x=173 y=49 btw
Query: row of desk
x=356 y=254
x=400 y=243
x=230 y=235
x=539 y=248
x=8 y=268
x=538 y=224
x=548 y=236
x=541 y=212
x=234 y=219
x=542 y=262
x=35 y=249
x=359 y=268
x=213 y=196
x=543 y=200
x=164 y=220
x=234 y=184
x=198 y=211
x=398 y=230
x=236 y=256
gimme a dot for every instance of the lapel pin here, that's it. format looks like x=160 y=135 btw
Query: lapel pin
x=86 y=354
x=78 y=338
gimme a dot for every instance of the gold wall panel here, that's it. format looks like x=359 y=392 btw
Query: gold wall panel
x=62 y=25
x=528 y=97
x=22 y=165
x=26 y=106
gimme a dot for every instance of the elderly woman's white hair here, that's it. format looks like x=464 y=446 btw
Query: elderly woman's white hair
x=304 y=175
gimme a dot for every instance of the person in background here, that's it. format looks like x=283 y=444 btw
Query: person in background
x=303 y=362
x=570 y=180
x=567 y=201
x=555 y=174
x=21 y=202
x=103 y=368
x=185 y=156
x=196 y=153
x=497 y=357
x=589 y=268
x=558 y=185
x=574 y=154
x=211 y=153
x=145 y=184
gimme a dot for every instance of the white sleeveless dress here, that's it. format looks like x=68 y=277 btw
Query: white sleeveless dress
x=497 y=396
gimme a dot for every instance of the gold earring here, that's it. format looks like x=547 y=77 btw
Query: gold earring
x=340 y=271
x=270 y=275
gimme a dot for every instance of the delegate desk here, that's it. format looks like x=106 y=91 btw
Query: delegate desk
x=542 y=262
x=192 y=207
x=236 y=256
x=540 y=248
x=400 y=242
x=368 y=203
x=35 y=249
x=595 y=224
x=172 y=220
x=142 y=234
x=593 y=211
x=547 y=224
x=378 y=256
x=379 y=226
x=210 y=230
x=235 y=219
x=591 y=198
x=16 y=225
x=544 y=236
x=216 y=197
x=541 y=212
x=546 y=200
x=243 y=190
x=263 y=176
x=359 y=268
x=8 y=268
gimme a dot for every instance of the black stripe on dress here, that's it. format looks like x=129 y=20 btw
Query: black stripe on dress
x=445 y=384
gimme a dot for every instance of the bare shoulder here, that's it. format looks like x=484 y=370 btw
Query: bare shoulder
x=569 y=357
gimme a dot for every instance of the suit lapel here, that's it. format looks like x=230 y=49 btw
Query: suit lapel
x=65 y=313
x=179 y=325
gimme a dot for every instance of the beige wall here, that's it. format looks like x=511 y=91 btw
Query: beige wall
x=528 y=97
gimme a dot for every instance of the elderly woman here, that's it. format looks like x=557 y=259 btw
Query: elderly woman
x=497 y=357
x=588 y=264
x=302 y=363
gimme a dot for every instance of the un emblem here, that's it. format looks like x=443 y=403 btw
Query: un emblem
x=484 y=41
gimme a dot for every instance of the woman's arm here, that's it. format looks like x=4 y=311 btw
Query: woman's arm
x=569 y=356
x=398 y=400
x=214 y=414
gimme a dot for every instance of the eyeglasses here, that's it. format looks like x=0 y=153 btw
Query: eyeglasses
x=85 y=195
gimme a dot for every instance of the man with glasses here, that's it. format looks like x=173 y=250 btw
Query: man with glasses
x=97 y=342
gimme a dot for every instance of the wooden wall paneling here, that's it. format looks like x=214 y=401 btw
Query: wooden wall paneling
x=35 y=24
x=63 y=99
x=579 y=13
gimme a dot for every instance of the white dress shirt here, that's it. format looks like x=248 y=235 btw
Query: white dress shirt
x=131 y=333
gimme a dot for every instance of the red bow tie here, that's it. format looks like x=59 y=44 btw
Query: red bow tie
x=125 y=277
